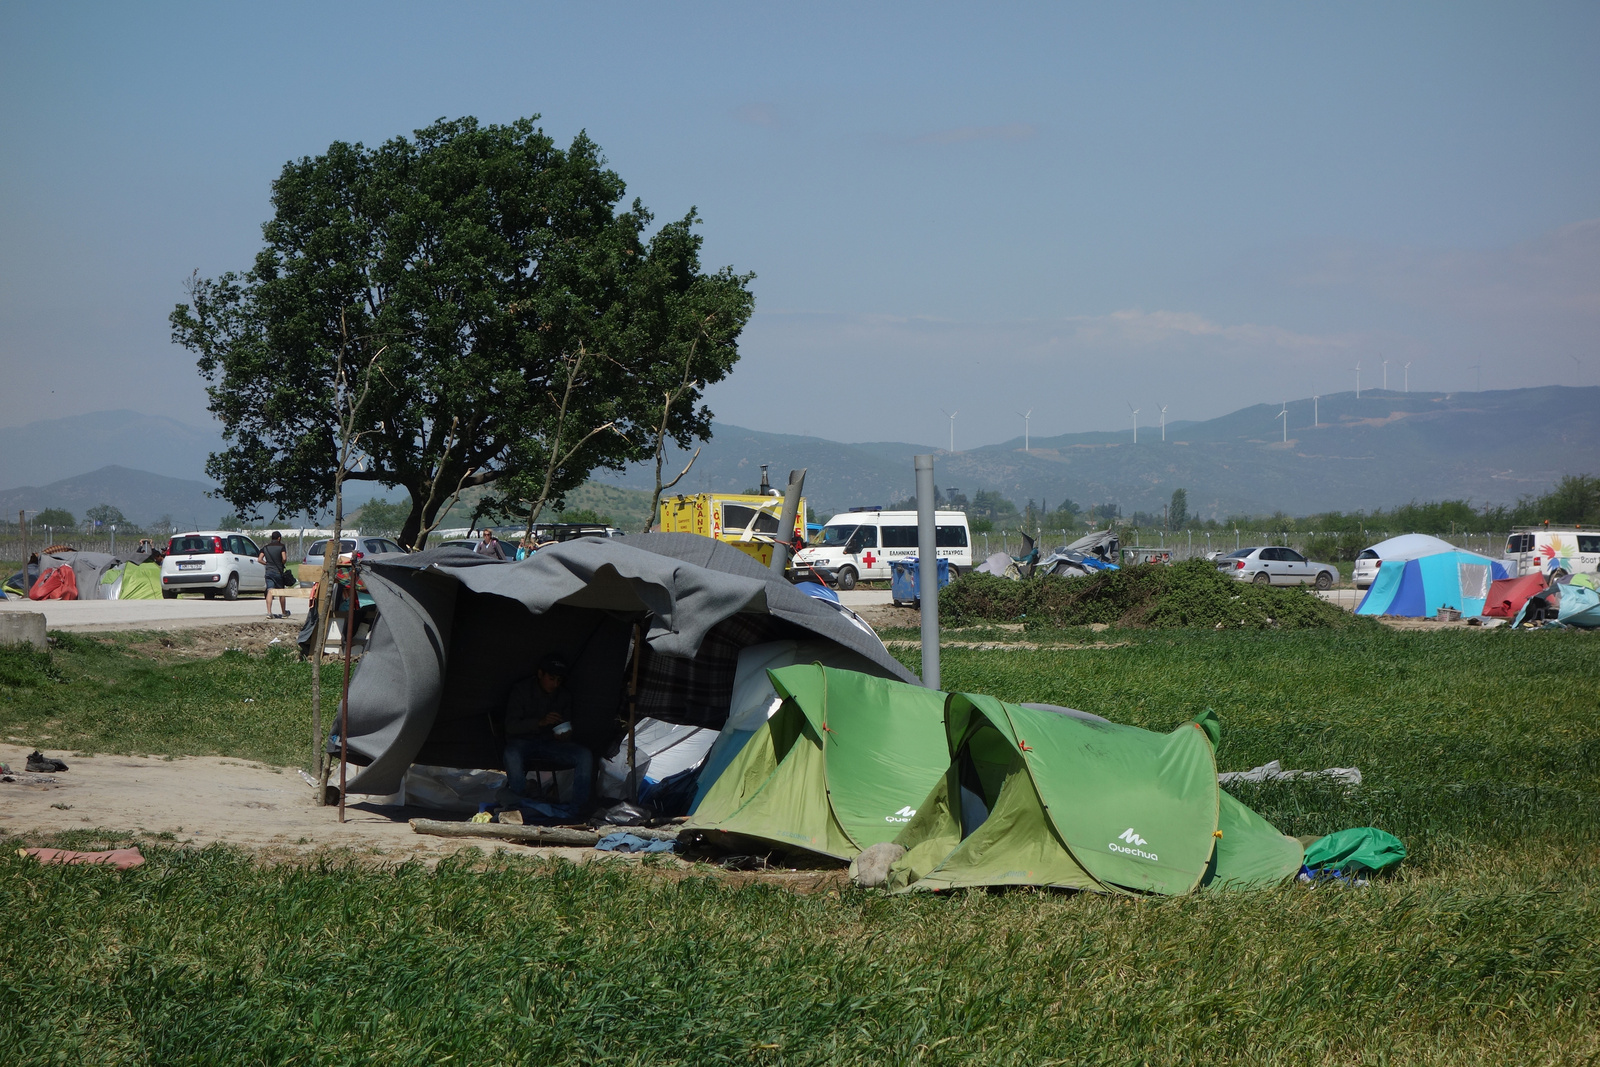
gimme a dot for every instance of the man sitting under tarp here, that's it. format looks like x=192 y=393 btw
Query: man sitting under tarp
x=538 y=728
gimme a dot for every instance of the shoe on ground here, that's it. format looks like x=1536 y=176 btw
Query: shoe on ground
x=39 y=763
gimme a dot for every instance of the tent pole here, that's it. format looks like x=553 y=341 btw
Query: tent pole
x=344 y=698
x=633 y=708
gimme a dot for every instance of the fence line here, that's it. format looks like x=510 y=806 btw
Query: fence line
x=1197 y=544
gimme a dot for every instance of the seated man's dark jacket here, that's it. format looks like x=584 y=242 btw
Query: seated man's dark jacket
x=529 y=704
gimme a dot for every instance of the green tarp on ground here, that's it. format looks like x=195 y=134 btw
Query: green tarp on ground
x=841 y=765
x=1035 y=797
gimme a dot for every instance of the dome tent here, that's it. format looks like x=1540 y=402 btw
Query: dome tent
x=838 y=767
x=1032 y=796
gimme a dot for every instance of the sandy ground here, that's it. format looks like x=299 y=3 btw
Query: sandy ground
x=204 y=800
x=201 y=800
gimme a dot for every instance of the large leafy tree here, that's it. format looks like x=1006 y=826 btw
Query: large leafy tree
x=469 y=307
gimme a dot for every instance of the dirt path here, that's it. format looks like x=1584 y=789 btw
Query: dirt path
x=201 y=800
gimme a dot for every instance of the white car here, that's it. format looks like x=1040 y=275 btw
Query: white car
x=370 y=546
x=1270 y=565
x=212 y=562
x=1406 y=546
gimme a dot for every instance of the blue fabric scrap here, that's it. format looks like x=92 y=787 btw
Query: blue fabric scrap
x=622 y=842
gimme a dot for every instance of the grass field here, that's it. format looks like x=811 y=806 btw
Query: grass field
x=1479 y=749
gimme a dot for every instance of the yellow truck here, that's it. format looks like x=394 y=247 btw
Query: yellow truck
x=748 y=522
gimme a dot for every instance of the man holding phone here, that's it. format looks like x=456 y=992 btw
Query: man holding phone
x=538 y=726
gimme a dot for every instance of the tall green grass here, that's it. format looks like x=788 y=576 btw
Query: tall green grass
x=96 y=694
x=1478 y=749
x=204 y=957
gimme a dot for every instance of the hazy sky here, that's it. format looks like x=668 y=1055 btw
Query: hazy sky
x=978 y=208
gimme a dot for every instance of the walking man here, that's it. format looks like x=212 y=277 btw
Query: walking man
x=275 y=557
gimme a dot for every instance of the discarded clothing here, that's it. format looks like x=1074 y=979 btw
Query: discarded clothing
x=39 y=763
x=622 y=842
x=120 y=858
x=1274 y=772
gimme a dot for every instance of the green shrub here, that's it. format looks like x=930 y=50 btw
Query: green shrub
x=1188 y=594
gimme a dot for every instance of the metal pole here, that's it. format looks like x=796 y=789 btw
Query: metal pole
x=928 y=572
x=344 y=697
x=791 y=504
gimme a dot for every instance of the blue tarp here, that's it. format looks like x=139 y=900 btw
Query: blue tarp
x=1418 y=588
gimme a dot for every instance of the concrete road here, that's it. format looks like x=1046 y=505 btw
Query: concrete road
x=184 y=613
x=1348 y=599
x=861 y=598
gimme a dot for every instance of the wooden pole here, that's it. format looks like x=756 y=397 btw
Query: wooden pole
x=344 y=698
x=633 y=708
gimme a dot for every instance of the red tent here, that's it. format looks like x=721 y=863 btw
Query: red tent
x=1507 y=595
x=57 y=583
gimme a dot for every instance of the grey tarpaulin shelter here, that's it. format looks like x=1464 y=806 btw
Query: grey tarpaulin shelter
x=455 y=631
x=87 y=568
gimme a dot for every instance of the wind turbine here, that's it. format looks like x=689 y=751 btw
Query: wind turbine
x=1026 y=415
x=1135 y=423
x=1386 y=376
x=1284 y=415
x=1358 y=379
x=1163 y=422
x=1578 y=367
x=1408 y=375
x=1478 y=367
x=951 y=415
x=1315 y=418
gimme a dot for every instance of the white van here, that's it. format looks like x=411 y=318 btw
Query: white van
x=860 y=545
x=1542 y=549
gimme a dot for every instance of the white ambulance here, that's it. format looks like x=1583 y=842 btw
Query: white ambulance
x=860 y=544
x=1542 y=549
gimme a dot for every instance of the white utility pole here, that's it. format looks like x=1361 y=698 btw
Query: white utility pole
x=1026 y=415
x=951 y=415
x=1163 y=422
x=1135 y=423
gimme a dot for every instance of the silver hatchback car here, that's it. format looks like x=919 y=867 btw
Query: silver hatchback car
x=1271 y=565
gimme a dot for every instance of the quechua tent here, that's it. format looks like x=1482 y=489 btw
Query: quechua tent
x=840 y=766
x=1418 y=588
x=1046 y=797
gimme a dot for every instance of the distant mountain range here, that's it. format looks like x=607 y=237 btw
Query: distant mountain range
x=41 y=453
x=139 y=495
x=1342 y=453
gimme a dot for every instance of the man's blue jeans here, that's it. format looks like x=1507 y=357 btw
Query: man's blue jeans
x=520 y=751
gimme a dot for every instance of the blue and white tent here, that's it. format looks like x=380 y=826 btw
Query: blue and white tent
x=1418 y=588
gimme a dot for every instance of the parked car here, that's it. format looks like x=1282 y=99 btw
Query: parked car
x=1270 y=565
x=370 y=546
x=470 y=544
x=212 y=562
x=1404 y=547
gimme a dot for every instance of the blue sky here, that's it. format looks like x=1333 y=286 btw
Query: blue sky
x=1065 y=207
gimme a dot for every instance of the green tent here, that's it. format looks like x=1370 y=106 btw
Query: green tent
x=841 y=765
x=140 y=581
x=1036 y=797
